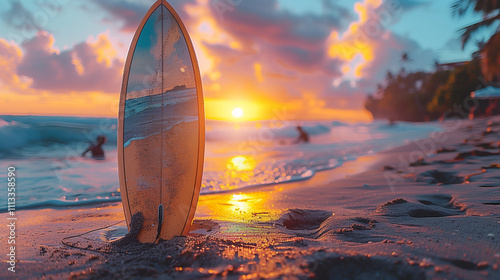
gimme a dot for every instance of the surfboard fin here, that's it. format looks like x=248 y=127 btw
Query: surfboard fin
x=160 y=221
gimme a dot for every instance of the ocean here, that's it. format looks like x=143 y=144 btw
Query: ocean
x=51 y=173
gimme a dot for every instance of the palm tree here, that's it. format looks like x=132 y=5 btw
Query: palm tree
x=405 y=60
x=437 y=65
x=389 y=77
x=405 y=57
x=480 y=44
x=491 y=58
x=490 y=10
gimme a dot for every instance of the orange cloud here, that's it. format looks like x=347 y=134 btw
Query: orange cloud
x=258 y=72
x=41 y=80
x=255 y=55
x=10 y=57
x=258 y=53
x=103 y=49
x=354 y=48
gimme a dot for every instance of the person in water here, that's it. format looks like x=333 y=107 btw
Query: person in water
x=391 y=122
x=303 y=136
x=96 y=150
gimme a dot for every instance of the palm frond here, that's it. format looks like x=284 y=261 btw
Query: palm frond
x=486 y=7
x=460 y=7
x=466 y=32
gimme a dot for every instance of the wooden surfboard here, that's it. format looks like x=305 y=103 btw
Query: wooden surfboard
x=161 y=128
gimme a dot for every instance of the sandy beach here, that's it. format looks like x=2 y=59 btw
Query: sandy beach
x=263 y=139
x=426 y=210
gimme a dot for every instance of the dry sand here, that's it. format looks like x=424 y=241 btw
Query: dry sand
x=386 y=216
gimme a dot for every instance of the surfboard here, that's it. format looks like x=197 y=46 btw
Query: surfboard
x=161 y=128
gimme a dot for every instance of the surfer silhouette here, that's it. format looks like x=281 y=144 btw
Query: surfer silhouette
x=391 y=122
x=96 y=150
x=303 y=136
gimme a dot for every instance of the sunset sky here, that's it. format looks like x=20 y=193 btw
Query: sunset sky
x=313 y=59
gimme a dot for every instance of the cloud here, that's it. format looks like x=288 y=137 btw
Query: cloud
x=24 y=22
x=249 y=51
x=130 y=13
x=10 y=57
x=263 y=19
x=329 y=60
x=288 y=50
x=388 y=53
x=20 y=18
x=368 y=49
x=88 y=66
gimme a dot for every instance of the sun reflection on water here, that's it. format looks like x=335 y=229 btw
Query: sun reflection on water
x=238 y=207
x=241 y=163
x=240 y=203
x=244 y=170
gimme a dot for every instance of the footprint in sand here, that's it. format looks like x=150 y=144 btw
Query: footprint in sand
x=336 y=266
x=439 y=177
x=487 y=146
x=316 y=224
x=203 y=227
x=302 y=222
x=435 y=205
x=475 y=153
x=468 y=265
x=445 y=150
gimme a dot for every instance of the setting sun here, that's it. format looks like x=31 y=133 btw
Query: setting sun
x=238 y=113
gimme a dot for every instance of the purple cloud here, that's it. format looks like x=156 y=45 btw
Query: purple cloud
x=82 y=68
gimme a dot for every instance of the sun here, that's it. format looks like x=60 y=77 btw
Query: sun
x=237 y=113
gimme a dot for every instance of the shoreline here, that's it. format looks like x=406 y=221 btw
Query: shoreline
x=62 y=205
x=427 y=225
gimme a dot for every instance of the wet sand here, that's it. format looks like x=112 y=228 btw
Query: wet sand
x=391 y=215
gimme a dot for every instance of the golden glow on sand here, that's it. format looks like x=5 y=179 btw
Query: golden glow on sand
x=242 y=206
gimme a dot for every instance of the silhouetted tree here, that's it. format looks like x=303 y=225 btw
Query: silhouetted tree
x=407 y=97
x=389 y=77
x=405 y=60
x=461 y=82
x=491 y=58
x=436 y=65
x=490 y=10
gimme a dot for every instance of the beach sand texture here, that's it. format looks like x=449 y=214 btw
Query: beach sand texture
x=389 y=215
